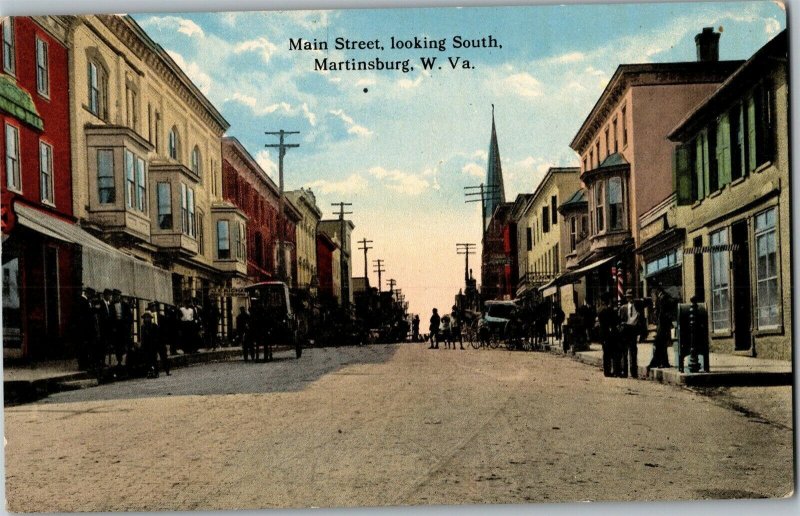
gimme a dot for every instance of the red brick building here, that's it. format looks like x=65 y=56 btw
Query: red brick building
x=246 y=185
x=41 y=276
x=326 y=248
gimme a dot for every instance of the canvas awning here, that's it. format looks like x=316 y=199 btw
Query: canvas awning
x=103 y=266
x=549 y=288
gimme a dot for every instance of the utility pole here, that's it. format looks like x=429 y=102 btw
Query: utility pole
x=391 y=282
x=281 y=146
x=482 y=193
x=344 y=272
x=364 y=248
x=379 y=269
x=465 y=249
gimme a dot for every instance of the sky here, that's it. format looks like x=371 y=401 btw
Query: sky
x=401 y=147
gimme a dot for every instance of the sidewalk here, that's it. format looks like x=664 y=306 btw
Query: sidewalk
x=26 y=383
x=725 y=369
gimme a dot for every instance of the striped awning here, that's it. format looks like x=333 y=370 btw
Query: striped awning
x=712 y=249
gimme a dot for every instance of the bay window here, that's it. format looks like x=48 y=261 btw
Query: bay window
x=599 y=206
x=141 y=186
x=106 y=190
x=164 y=202
x=223 y=240
x=184 y=210
x=130 y=179
x=615 y=207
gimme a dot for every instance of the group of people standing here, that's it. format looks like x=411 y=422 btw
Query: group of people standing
x=105 y=332
x=621 y=328
x=445 y=328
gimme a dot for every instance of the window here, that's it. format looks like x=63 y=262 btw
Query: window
x=616 y=139
x=141 y=186
x=739 y=149
x=701 y=166
x=201 y=244
x=663 y=262
x=615 y=211
x=723 y=148
x=597 y=151
x=584 y=227
x=131 y=107
x=608 y=143
x=173 y=143
x=149 y=123
x=42 y=74
x=9 y=57
x=553 y=210
x=164 y=200
x=599 y=204
x=213 y=177
x=241 y=249
x=46 y=172
x=529 y=238
x=190 y=207
x=130 y=179
x=106 y=190
x=720 y=282
x=573 y=233
x=196 y=161
x=157 y=130
x=223 y=240
x=591 y=158
x=767 y=295
x=545 y=219
x=184 y=210
x=98 y=90
x=13 y=180
x=624 y=126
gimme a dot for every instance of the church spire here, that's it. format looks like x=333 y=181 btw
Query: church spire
x=494 y=178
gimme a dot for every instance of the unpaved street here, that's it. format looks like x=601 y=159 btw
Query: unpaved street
x=388 y=425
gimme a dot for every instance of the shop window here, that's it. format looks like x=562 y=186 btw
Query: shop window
x=46 y=172
x=164 y=201
x=13 y=179
x=720 y=282
x=223 y=240
x=42 y=70
x=9 y=53
x=767 y=294
x=106 y=190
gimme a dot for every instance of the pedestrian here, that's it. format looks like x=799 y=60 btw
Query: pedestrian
x=665 y=312
x=415 y=328
x=150 y=337
x=123 y=326
x=608 y=322
x=243 y=333
x=105 y=322
x=557 y=318
x=85 y=329
x=446 y=331
x=188 y=327
x=455 y=327
x=210 y=320
x=434 y=329
x=630 y=318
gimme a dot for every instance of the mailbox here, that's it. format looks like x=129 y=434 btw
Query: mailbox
x=692 y=337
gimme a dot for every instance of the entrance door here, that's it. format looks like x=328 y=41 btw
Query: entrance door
x=742 y=300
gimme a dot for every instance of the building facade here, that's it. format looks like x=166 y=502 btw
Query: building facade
x=626 y=166
x=306 y=237
x=41 y=276
x=328 y=259
x=341 y=231
x=499 y=255
x=733 y=198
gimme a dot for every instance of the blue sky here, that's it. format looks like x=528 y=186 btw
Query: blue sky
x=403 y=151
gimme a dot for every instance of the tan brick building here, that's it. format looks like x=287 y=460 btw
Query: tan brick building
x=733 y=199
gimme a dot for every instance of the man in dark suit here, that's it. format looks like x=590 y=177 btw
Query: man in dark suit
x=123 y=322
x=86 y=329
x=105 y=323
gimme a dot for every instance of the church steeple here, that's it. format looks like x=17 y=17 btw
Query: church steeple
x=494 y=178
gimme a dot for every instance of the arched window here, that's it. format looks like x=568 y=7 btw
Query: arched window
x=173 y=143
x=97 y=82
x=196 y=161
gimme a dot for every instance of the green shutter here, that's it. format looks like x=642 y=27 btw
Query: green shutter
x=751 y=132
x=723 y=151
x=682 y=174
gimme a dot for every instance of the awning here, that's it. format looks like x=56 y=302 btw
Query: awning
x=548 y=289
x=103 y=266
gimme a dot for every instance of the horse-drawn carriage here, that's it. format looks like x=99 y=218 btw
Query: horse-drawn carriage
x=273 y=322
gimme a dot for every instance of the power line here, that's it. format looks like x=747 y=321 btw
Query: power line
x=281 y=146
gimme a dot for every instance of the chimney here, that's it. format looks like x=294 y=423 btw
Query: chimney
x=707 y=45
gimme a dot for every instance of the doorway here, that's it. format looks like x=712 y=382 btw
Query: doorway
x=742 y=299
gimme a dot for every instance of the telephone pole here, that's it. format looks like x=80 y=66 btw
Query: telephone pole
x=365 y=248
x=344 y=272
x=465 y=249
x=379 y=269
x=391 y=282
x=482 y=193
x=281 y=146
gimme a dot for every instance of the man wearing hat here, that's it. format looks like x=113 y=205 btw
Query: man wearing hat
x=122 y=316
x=151 y=338
x=665 y=311
x=631 y=319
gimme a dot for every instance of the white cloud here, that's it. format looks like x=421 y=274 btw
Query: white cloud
x=365 y=82
x=262 y=45
x=473 y=169
x=523 y=84
x=244 y=99
x=401 y=182
x=569 y=57
x=352 y=184
x=200 y=78
x=408 y=84
x=181 y=25
x=352 y=126
x=264 y=160
x=311 y=117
